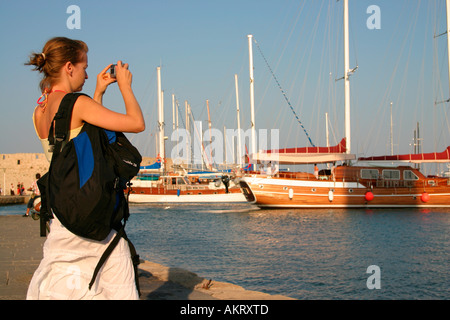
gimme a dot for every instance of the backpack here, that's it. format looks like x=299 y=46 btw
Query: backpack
x=84 y=186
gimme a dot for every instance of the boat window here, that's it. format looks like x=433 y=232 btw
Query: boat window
x=369 y=174
x=391 y=174
x=409 y=175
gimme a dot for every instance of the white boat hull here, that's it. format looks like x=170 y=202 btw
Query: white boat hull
x=183 y=198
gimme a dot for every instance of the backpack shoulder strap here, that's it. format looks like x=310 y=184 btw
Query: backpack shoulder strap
x=60 y=127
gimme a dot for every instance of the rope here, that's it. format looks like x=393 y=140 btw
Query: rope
x=284 y=94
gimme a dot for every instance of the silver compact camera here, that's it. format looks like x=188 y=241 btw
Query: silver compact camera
x=112 y=70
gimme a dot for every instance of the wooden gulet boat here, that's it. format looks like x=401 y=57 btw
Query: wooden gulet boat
x=352 y=187
x=347 y=186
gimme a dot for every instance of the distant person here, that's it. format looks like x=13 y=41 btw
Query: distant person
x=333 y=170
x=12 y=189
x=35 y=193
x=269 y=168
x=69 y=260
x=316 y=171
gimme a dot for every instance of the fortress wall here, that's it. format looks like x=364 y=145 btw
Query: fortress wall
x=22 y=168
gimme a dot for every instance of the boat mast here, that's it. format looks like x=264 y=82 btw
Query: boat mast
x=392 y=134
x=252 y=93
x=448 y=38
x=239 y=150
x=173 y=112
x=188 y=138
x=347 y=72
x=162 y=151
x=210 y=135
x=176 y=122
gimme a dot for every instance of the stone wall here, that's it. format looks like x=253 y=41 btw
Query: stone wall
x=21 y=168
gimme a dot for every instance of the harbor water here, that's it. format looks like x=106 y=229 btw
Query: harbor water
x=304 y=254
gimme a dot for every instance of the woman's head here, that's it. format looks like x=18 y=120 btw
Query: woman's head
x=56 y=54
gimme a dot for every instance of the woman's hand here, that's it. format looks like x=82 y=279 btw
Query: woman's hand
x=92 y=111
x=104 y=79
x=123 y=75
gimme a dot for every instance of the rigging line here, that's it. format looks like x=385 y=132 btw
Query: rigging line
x=284 y=94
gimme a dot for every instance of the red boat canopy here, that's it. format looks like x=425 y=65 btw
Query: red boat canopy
x=340 y=148
x=414 y=158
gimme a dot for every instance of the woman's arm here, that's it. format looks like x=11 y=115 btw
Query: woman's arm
x=104 y=79
x=91 y=110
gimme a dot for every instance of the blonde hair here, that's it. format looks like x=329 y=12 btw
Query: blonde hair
x=56 y=53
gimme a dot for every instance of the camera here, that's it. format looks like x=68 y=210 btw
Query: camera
x=112 y=70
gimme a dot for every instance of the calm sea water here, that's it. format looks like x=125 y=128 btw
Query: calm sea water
x=304 y=254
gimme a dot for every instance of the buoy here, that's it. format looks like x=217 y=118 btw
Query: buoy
x=291 y=193
x=330 y=196
x=369 y=196
x=425 y=197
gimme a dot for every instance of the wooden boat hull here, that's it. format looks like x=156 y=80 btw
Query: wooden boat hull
x=193 y=195
x=276 y=192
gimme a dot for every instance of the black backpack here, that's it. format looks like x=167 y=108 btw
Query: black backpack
x=85 y=184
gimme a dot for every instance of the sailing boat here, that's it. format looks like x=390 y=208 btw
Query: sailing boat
x=181 y=186
x=347 y=186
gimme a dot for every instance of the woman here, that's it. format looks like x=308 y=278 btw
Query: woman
x=69 y=260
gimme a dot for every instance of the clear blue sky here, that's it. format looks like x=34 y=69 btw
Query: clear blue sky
x=202 y=44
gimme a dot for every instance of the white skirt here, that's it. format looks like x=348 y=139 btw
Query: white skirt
x=68 y=265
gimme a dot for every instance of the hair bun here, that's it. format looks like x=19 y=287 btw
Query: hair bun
x=38 y=60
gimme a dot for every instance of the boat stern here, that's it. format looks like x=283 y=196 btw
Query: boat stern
x=247 y=191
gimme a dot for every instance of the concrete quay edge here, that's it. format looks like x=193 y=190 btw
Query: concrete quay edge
x=21 y=252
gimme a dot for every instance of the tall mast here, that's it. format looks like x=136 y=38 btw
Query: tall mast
x=188 y=150
x=176 y=122
x=210 y=133
x=448 y=38
x=252 y=93
x=392 y=134
x=346 y=79
x=239 y=150
x=162 y=151
x=173 y=112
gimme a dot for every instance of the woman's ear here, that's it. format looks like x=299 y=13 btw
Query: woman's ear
x=68 y=68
